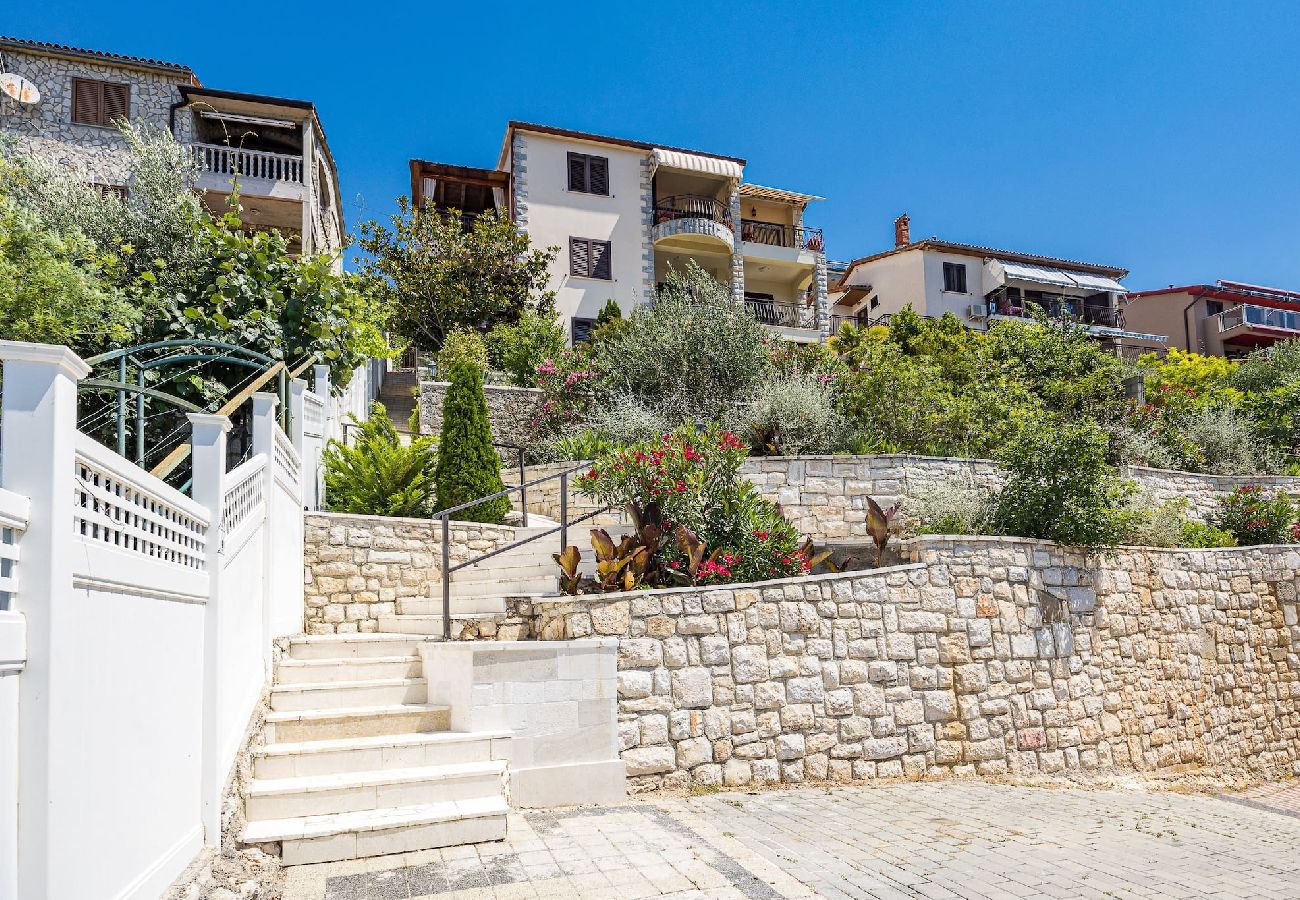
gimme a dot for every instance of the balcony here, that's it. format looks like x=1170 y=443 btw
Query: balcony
x=772 y=234
x=1258 y=325
x=1100 y=321
x=693 y=222
x=260 y=172
x=857 y=320
x=793 y=321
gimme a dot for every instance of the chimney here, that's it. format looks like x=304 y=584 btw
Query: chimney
x=902 y=234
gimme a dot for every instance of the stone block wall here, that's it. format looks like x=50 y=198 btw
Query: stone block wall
x=510 y=409
x=826 y=496
x=985 y=657
x=95 y=153
x=356 y=567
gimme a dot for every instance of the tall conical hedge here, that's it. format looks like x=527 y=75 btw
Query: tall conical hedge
x=468 y=466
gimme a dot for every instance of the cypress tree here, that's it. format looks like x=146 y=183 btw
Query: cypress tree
x=468 y=465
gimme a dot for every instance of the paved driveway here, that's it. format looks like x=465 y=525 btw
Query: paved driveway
x=933 y=840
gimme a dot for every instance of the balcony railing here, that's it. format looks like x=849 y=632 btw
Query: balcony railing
x=776 y=235
x=692 y=206
x=234 y=161
x=1259 y=316
x=1061 y=309
x=782 y=314
x=857 y=320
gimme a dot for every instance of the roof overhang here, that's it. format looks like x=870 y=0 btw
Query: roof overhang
x=767 y=193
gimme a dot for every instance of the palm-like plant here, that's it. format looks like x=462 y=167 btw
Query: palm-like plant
x=377 y=475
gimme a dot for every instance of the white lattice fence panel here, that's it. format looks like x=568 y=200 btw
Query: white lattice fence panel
x=122 y=509
x=13 y=521
x=245 y=496
x=313 y=415
x=288 y=467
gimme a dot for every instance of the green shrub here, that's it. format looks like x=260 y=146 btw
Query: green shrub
x=626 y=420
x=689 y=354
x=1060 y=487
x=460 y=345
x=792 y=415
x=1254 y=515
x=586 y=443
x=953 y=507
x=1202 y=534
x=468 y=465
x=518 y=348
x=377 y=475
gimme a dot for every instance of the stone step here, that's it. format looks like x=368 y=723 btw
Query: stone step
x=351 y=646
x=348 y=694
x=510 y=571
x=362 y=721
x=324 y=795
x=382 y=832
x=437 y=748
x=323 y=671
x=487 y=604
x=429 y=624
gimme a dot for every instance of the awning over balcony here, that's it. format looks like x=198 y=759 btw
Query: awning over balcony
x=694 y=162
x=999 y=271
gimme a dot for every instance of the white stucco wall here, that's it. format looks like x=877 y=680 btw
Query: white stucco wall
x=897 y=280
x=555 y=214
x=937 y=300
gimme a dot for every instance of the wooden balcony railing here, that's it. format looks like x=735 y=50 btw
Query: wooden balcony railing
x=234 y=161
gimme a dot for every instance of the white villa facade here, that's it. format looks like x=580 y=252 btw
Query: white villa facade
x=624 y=212
x=980 y=285
x=286 y=174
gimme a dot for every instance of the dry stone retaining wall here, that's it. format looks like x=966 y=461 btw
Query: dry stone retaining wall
x=356 y=567
x=511 y=410
x=986 y=657
x=826 y=496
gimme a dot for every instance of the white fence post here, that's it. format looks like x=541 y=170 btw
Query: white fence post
x=39 y=438
x=296 y=389
x=321 y=386
x=208 y=463
x=264 y=444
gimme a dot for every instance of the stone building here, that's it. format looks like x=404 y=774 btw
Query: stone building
x=275 y=147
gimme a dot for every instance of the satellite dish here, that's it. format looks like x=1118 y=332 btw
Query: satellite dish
x=19 y=88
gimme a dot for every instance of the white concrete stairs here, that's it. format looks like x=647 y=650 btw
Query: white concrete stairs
x=481 y=590
x=356 y=763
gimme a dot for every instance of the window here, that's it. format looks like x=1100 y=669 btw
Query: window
x=589 y=258
x=954 y=278
x=99 y=102
x=580 y=330
x=589 y=174
x=1213 y=307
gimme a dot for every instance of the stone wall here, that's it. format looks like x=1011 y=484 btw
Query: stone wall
x=96 y=153
x=357 y=567
x=826 y=496
x=987 y=657
x=510 y=409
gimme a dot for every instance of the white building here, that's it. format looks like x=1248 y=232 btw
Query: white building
x=980 y=285
x=623 y=212
x=276 y=147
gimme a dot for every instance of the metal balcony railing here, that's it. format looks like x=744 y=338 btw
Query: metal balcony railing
x=777 y=235
x=692 y=206
x=1260 y=316
x=782 y=314
x=234 y=161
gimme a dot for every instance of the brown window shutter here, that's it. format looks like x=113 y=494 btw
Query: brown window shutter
x=117 y=102
x=87 y=102
x=600 y=262
x=577 y=172
x=598 y=182
x=579 y=256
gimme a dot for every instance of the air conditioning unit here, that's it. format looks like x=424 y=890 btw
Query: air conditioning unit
x=978 y=311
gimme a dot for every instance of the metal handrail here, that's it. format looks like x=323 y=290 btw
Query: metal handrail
x=774 y=234
x=522 y=488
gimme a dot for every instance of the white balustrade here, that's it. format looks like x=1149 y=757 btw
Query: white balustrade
x=235 y=161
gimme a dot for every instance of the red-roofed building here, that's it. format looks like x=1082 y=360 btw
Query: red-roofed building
x=1227 y=318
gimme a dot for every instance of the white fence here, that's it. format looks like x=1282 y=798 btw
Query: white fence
x=136 y=627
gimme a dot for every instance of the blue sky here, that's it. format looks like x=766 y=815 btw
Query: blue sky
x=1160 y=136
